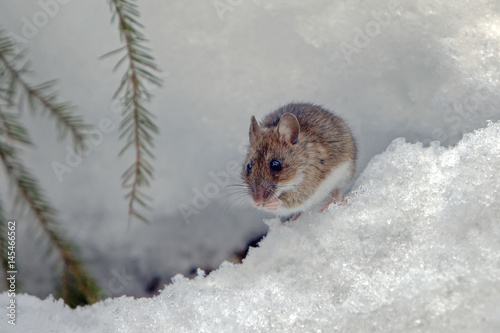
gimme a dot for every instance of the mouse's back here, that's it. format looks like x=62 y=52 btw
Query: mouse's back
x=317 y=125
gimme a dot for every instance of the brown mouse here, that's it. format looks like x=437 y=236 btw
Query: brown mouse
x=300 y=156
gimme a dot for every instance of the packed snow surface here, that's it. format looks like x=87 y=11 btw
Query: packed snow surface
x=420 y=69
x=415 y=249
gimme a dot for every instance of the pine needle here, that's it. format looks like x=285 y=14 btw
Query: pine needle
x=12 y=129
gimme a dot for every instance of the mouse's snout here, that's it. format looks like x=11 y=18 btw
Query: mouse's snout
x=262 y=192
x=263 y=195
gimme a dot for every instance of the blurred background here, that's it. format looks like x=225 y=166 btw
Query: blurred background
x=423 y=70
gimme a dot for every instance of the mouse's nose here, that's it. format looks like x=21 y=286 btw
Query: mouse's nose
x=262 y=193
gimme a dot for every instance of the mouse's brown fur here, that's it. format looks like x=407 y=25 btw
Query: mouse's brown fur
x=324 y=142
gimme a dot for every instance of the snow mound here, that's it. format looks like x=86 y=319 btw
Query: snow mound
x=415 y=249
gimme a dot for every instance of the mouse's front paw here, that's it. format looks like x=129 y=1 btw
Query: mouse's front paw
x=273 y=204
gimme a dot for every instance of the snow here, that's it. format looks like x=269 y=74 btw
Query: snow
x=414 y=249
x=430 y=71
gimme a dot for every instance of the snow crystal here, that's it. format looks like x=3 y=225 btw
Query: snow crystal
x=414 y=249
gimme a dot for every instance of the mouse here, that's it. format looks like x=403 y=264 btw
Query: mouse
x=300 y=156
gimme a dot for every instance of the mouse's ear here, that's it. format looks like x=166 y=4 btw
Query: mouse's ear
x=288 y=128
x=254 y=130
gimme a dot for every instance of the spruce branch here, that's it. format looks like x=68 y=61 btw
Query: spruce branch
x=42 y=96
x=137 y=126
x=30 y=197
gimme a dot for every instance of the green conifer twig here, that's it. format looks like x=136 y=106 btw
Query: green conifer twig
x=30 y=196
x=136 y=126
x=77 y=286
x=42 y=95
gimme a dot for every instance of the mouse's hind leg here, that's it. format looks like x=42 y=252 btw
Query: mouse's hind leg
x=336 y=197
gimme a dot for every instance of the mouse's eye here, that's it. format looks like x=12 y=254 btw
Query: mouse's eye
x=275 y=165
x=249 y=167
